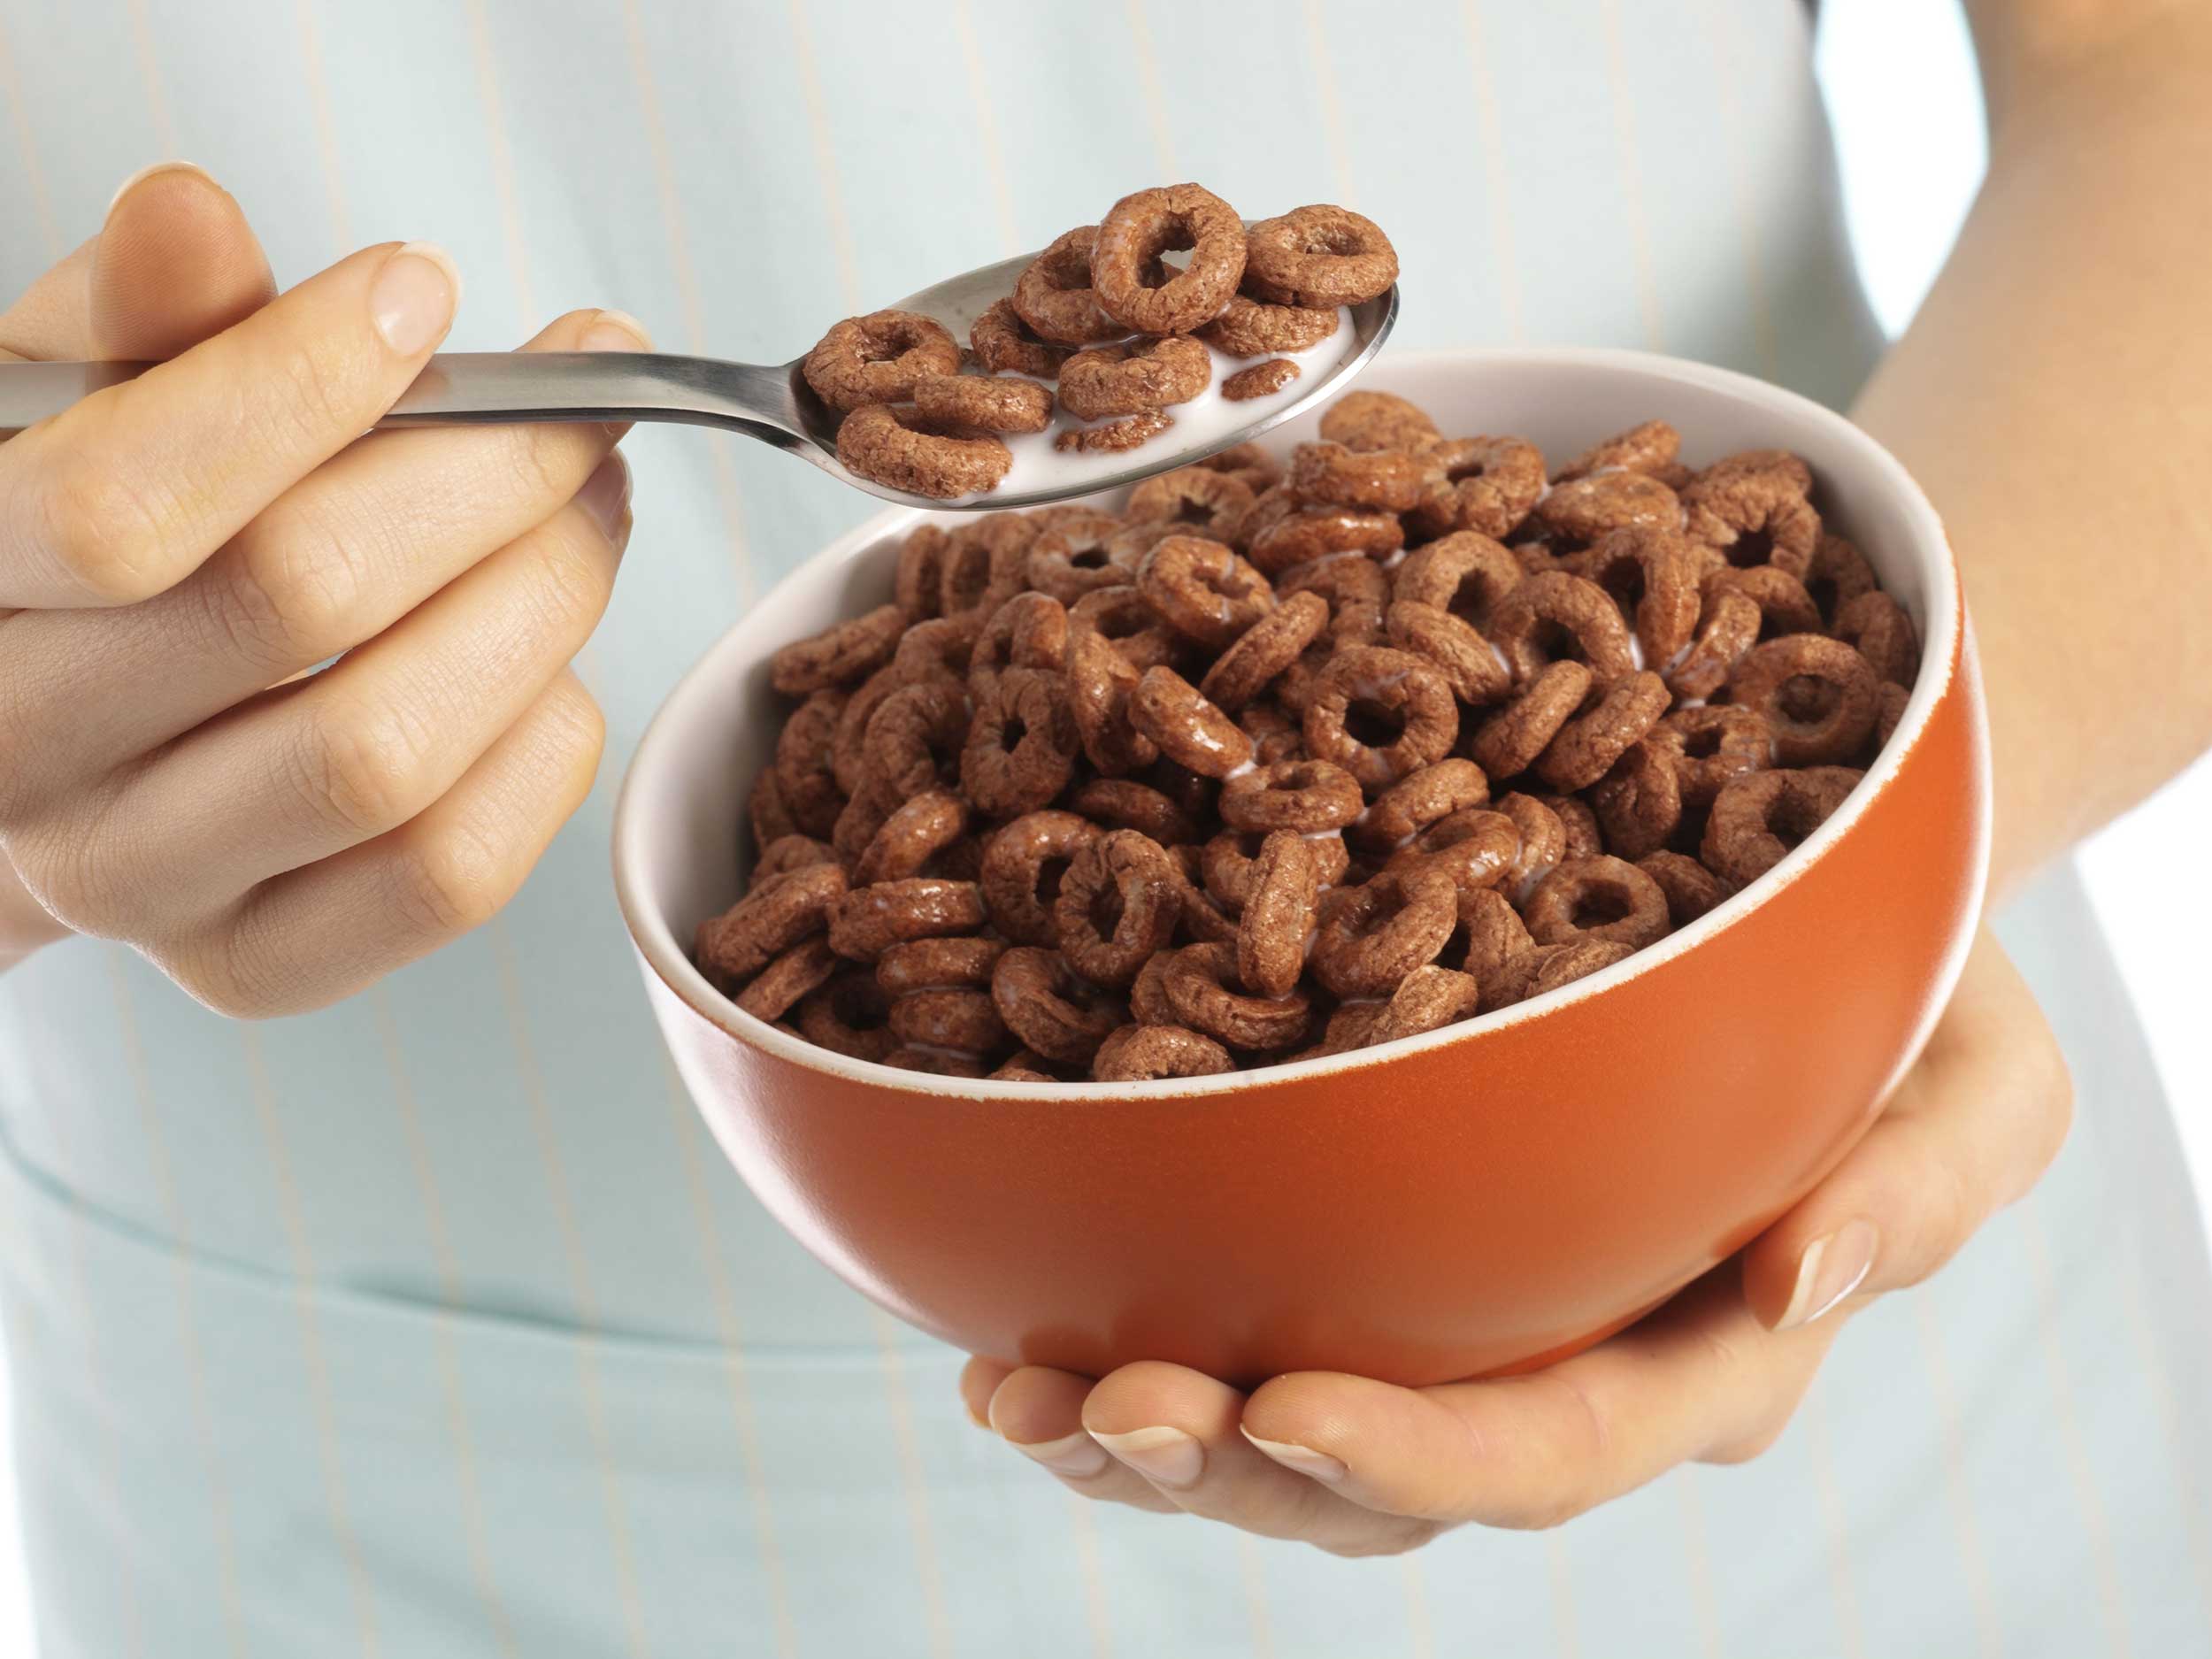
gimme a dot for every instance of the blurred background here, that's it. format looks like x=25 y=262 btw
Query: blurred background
x=1899 y=76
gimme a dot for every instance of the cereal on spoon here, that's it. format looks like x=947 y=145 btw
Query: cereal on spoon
x=1126 y=337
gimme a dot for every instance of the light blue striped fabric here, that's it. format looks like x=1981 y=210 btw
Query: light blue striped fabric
x=432 y=1325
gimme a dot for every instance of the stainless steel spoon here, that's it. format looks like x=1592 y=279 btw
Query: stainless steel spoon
x=773 y=405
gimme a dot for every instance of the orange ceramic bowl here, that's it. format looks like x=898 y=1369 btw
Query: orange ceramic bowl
x=1487 y=1196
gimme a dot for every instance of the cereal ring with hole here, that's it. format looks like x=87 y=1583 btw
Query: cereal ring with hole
x=986 y=562
x=921 y=571
x=1472 y=667
x=1543 y=844
x=1877 y=628
x=1119 y=902
x=1201 y=986
x=846 y=1014
x=916 y=830
x=1004 y=344
x=1248 y=327
x=848 y=741
x=1754 y=518
x=1167 y=709
x=1552 y=966
x=778 y=913
x=964 y=1021
x=1203 y=590
x=1377 y=421
x=838 y=656
x=1132 y=380
x=1711 y=747
x=1784 y=607
x=892 y=445
x=1585 y=840
x=1597 y=898
x=935 y=1062
x=878 y=359
x=1261 y=380
x=1347 y=1028
x=1652 y=576
x=1024 y=864
x=937 y=964
x=1583 y=751
x=1385 y=480
x=1431 y=998
x=1649 y=446
x=1069 y=559
x=791 y=852
x=915 y=736
x=1120 y=617
x=801 y=969
x=1894 y=697
x=1196 y=499
x=1145 y=1053
x=1367 y=938
x=1246 y=462
x=1275 y=733
x=804 y=777
x=1263 y=650
x=1116 y=436
x=1125 y=258
x=1475 y=847
x=1100 y=679
x=864 y=814
x=1418 y=800
x=938 y=648
x=1819 y=695
x=1301 y=537
x=1489 y=485
x=1319 y=255
x=1553 y=617
x=1639 y=801
x=1226 y=863
x=1043 y=1003
x=1125 y=803
x=1028 y=631
x=1381 y=714
x=1053 y=295
x=1744 y=463
x=1728 y=627
x=1579 y=511
x=1510 y=740
x=987 y=403
x=1757 y=820
x=1281 y=891
x=1026 y=1066
x=1836 y=574
x=1022 y=743
x=1203 y=922
x=1347 y=580
x=1495 y=936
x=1311 y=796
x=1466 y=574
x=864 y=921
x=1690 y=889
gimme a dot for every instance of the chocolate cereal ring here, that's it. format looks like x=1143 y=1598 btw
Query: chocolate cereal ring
x=798 y=970
x=1044 y=1004
x=1728 y=627
x=1252 y=328
x=1226 y=863
x=1428 y=999
x=1583 y=751
x=778 y=913
x=1198 y=985
x=1100 y=679
x=1261 y=380
x=1201 y=589
x=1367 y=938
x=1415 y=802
x=1754 y=518
x=1474 y=668
x=1476 y=849
x=1756 y=820
x=878 y=359
x=1466 y=574
x=1496 y=936
x=1145 y=1053
x=787 y=853
x=1071 y=559
x=1054 y=297
x=1543 y=844
x=1246 y=462
x=804 y=777
x=865 y=921
x=1022 y=743
x=1004 y=344
x=1649 y=446
x=937 y=964
x=1489 y=485
x=1388 y=480
x=1836 y=574
x=840 y=655
x=1319 y=255
x=1125 y=275
x=1784 y=607
x=964 y=1021
x=1381 y=714
x=1115 y=435
x=1379 y=420
x=1639 y=801
x=916 y=830
x=1196 y=498
x=1580 y=510
x=1306 y=795
x=1133 y=380
x=1119 y=615
x=1597 y=898
x=1820 y=697
x=921 y=571
x=1263 y=650
x=1281 y=890
x=1299 y=538
x=1024 y=864
x=892 y=445
x=988 y=402
x=1169 y=711
x=935 y=1062
x=1652 y=575
x=1118 y=902
x=915 y=736
x=1552 y=966
x=1877 y=626
x=1275 y=733
x=846 y=1014
x=986 y=562
x=1510 y=740
x=1123 y=803
x=1690 y=889
x=1713 y=746
x=1028 y=631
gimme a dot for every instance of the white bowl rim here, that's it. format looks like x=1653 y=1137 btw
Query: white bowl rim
x=663 y=954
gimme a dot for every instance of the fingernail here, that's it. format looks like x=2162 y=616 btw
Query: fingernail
x=1832 y=1268
x=144 y=174
x=413 y=297
x=616 y=331
x=1303 y=1459
x=1077 y=1454
x=1168 y=1456
x=606 y=492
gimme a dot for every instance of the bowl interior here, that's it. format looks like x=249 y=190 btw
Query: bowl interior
x=678 y=855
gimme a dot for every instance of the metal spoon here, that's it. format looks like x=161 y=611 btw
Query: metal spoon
x=773 y=405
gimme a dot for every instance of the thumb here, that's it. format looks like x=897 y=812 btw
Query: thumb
x=175 y=262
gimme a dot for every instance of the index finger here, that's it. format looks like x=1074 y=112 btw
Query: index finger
x=121 y=495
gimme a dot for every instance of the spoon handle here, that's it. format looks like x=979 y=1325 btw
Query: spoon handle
x=464 y=387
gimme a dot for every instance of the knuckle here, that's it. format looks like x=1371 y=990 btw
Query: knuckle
x=452 y=882
x=307 y=402
x=362 y=768
x=223 y=977
x=291 y=593
x=108 y=532
x=574 y=579
x=541 y=464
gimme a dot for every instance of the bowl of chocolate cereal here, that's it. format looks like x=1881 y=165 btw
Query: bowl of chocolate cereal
x=1395 y=898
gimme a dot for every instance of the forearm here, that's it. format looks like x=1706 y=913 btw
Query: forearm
x=2051 y=397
